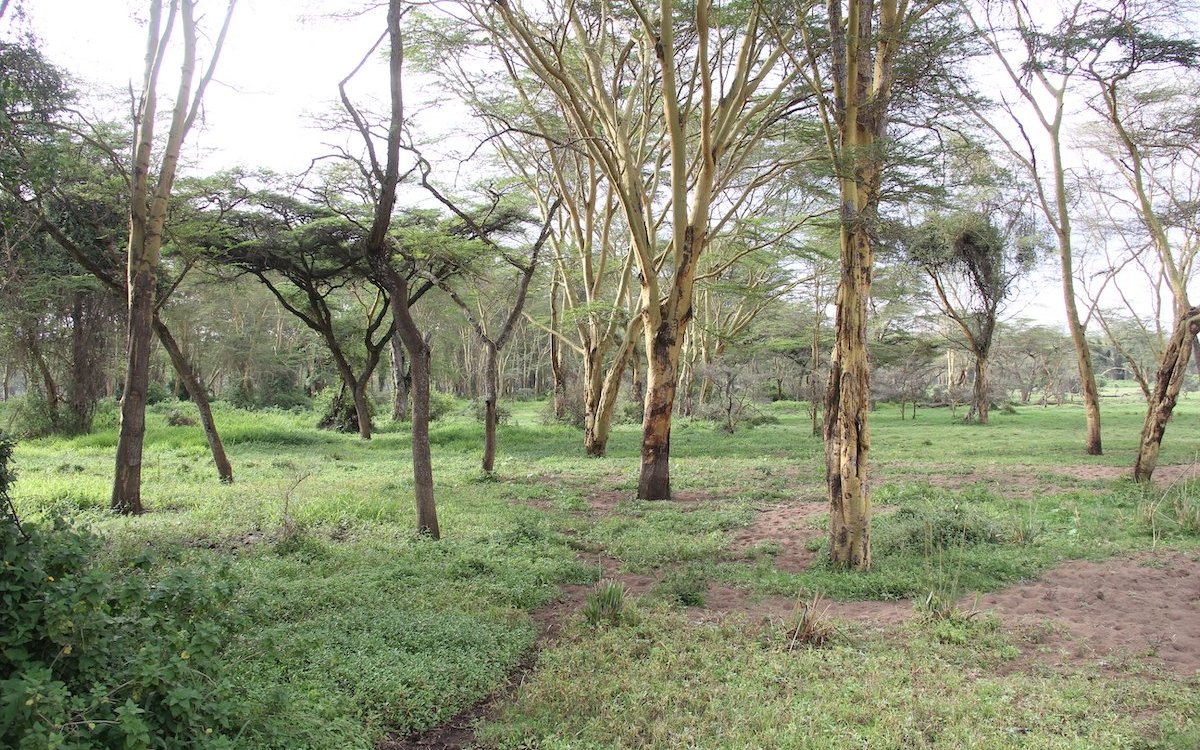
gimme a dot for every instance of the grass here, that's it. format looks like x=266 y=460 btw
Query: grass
x=347 y=626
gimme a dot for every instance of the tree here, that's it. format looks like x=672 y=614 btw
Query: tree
x=865 y=42
x=973 y=265
x=493 y=343
x=380 y=249
x=147 y=216
x=679 y=97
x=70 y=180
x=1154 y=150
x=1041 y=63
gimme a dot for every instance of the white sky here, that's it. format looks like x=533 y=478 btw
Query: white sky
x=280 y=67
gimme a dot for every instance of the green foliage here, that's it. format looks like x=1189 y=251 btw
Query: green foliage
x=1174 y=512
x=605 y=606
x=98 y=658
x=934 y=527
x=479 y=411
x=686 y=587
x=442 y=405
x=30 y=416
x=157 y=393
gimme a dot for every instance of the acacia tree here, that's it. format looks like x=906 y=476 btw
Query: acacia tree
x=973 y=264
x=671 y=97
x=1041 y=61
x=866 y=39
x=493 y=343
x=380 y=248
x=1154 y=136
x=147 y=216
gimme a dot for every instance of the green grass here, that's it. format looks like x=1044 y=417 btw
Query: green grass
x=663 y=683
x=347 y=626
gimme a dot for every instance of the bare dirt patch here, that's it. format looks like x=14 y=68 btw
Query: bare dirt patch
x=788 y=527
x=1147 y=608
x=1082 y=613
x=1163 y=475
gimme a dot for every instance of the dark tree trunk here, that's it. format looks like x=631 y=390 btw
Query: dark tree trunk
x=980 y=402
x=47 y=377
x=87 y=346
x=654 y=482
x=401 y=380
x=491 y=384
x=1167 y=385
x=199 y=396
x=127 y=484
x=558 y=372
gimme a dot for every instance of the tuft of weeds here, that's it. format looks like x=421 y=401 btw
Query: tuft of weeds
x=686 y=587
x=1173 y=512
x=606 y=605
x=810 y=625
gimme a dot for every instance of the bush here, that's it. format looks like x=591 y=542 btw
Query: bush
x=179 y=418
x=479 y=409
x=89 y=659
x=156 y=393
x=336 y=407
x=108 y=414
x=606 y=605
x=30 y=416
x=442 y=405
x=925 y=528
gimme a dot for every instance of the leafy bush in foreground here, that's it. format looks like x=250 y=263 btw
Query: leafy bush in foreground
x=96 y=658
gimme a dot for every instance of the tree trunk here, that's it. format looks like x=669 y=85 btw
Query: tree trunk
x=127 y=483
x=847 y=402
x=1167 y=385
x=400 y=380
x=593 y=390
x=199 y=396
x=980 y=402
x=662 y=361
x=362 y=405
x=51 y=388
x=427 y=520
x=491 y=385
x=558 y=372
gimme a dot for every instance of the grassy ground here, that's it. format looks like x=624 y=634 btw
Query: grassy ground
x=346 y=625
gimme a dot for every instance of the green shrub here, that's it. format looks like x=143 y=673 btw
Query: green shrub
x=179 y=418
x=442 y=405
x=479 y=410
x=157 y=393
x=95 y=658
x=929 y=527
x=686 y=587
x=605 y=605
x=30 y=416
x=108 y=414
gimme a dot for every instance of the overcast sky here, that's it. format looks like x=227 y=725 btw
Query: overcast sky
x=278 y=72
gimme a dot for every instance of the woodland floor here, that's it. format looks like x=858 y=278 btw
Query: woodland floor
x=1141 y=611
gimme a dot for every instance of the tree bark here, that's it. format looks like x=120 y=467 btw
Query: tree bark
x=491 y=384
x=147 y=216
x=199 y=396
x=1171 y=373
x=980 y=402
x=401 y=379
x=558 y=372
x=127 y=485
x=847 y=403
x=43 y=368
x=662 y=361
